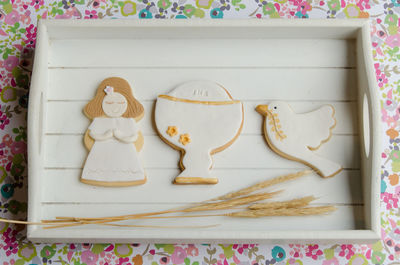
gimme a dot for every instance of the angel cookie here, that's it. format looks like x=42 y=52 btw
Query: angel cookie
x=113 y=137
x=296 y=135
x=198 y=118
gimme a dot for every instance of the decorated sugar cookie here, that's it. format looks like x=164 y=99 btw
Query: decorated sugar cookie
x=296 y=135
x=198 y=118
x=113 y=138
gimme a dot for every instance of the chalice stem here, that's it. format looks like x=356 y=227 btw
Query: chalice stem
x=197 y=166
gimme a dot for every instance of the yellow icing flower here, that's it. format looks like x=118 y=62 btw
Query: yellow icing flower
x=172 y=131
x=184 y=139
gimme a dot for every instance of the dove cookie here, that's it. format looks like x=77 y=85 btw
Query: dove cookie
x=296 y=135
x=113 y=138
x=198 y=118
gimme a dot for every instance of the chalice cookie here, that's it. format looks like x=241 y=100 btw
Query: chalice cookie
x=113 y=137
x=296 y=135
x=198 y=118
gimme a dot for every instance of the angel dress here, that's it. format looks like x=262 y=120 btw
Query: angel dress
x=113 y=159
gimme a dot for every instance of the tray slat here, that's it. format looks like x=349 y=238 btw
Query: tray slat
x=66 y=117
x=67 y=151
x=307 y=84
x=342 y=189
x=202 y=52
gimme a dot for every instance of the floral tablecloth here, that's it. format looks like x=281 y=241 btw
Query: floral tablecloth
x=17 y=41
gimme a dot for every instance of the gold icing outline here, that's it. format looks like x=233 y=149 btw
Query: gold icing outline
x=228 y=102
x=284 y=155
x=114 y=183
x=212 y=152
x=312 y=148
x=194 y=180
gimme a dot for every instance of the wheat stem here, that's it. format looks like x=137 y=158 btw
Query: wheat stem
x=295 y=203
x=146 y=226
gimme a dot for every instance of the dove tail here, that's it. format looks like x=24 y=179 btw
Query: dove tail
x=324 y=167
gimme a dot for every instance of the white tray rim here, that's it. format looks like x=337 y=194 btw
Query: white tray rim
x=360 y=26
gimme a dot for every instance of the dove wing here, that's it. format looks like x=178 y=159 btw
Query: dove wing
x=317 y=126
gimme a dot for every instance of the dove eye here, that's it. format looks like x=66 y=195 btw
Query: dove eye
x=275 y=107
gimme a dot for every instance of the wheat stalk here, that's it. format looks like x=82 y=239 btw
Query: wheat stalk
x=295 y=203
x=231 y=195
x=200 y=207
x=283 y=212
x=227 y=201
x=142 y=226
x=262 y=185
x=203 y=207
x=2 y=220
x=227 y=204
x=119 y=217
x=163 y=226
x=244 y=214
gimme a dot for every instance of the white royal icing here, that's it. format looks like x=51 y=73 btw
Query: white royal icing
x=298 y=134
x=209 y=127
x=113 y=156
x=114 y=104
x=201 y=90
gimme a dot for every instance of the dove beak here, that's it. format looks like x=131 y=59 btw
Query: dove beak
x=263 y=110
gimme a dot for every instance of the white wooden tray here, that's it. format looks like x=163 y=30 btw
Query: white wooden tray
x=307 y=62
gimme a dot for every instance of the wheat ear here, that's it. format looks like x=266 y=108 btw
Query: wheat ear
x=262 y=185
x=283 y=212
x=231 y=203
x=295 y=203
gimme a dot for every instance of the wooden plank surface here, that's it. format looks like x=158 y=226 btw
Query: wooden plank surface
x=202 y=52
x=66 y=117
x=306 y=84
x=305 y=72
x=67 y=151
x=342 y=189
